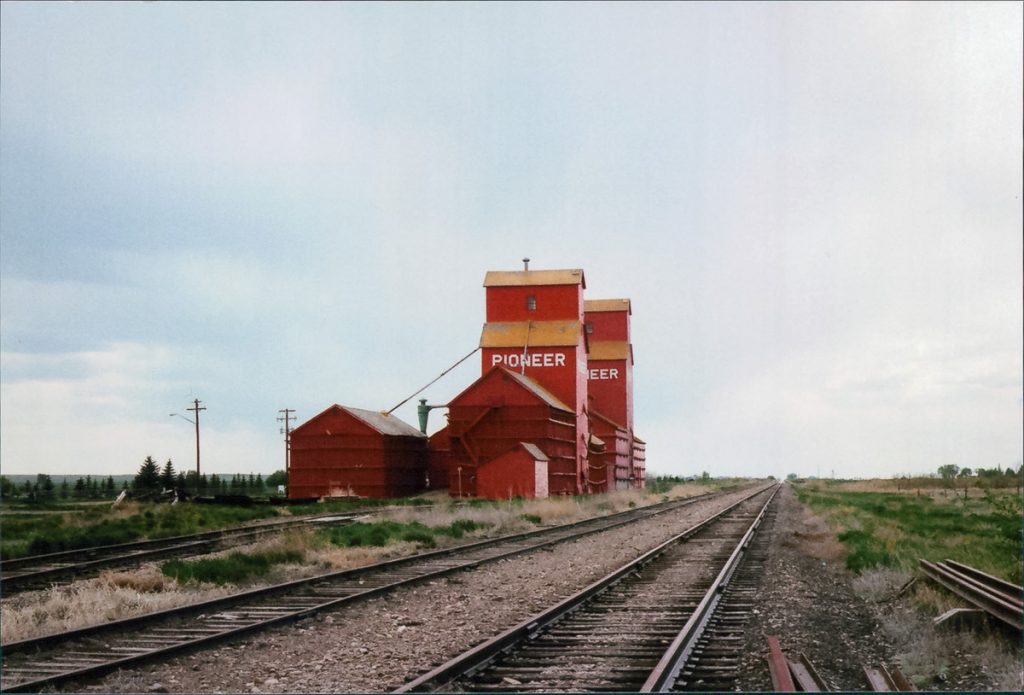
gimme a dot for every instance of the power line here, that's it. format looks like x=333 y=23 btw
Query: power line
x=435 y=379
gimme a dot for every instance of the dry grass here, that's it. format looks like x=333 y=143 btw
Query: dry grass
x=881 y=584
x=334 y=558
x=105 y=598
x=814 y=537
x=510 y=516
x=928 y=654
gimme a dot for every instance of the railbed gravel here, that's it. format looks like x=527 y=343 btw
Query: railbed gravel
x=379 y=644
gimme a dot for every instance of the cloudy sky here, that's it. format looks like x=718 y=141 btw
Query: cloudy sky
x=815 y=208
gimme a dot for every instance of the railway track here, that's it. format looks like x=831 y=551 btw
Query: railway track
x=636 y=629
x=40 y=571
x=997 y=597
x=29 y=665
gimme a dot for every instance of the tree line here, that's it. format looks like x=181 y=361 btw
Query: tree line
x=44 y=489
x=151 y=479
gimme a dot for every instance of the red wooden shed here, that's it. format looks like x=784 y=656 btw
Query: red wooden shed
x=494 y=415
x=521 y=472
x=349 y=451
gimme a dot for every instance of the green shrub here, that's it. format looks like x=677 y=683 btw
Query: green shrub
x=532 y=518
x=458 y=528
x=231 y=569
x=380 y=533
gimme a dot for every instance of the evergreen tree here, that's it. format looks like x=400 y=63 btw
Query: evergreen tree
x=7 y=488
x=214 y=484
x=80 y=489
x=108 y=488
x=148 y=477
x=167 y=476
x=179 y=484
x=45 y=486
x=259 y=483
x=65 y=489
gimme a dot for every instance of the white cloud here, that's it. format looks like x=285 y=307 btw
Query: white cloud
x=94 y=413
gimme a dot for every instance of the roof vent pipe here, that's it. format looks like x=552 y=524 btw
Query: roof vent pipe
x=526 y=264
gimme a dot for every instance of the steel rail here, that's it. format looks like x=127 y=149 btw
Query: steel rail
x=1010 y=590
x=665 y=673
x=209 y=621
x=887 y=680
x=70 y=563
x=480 y=656
x=992 y=600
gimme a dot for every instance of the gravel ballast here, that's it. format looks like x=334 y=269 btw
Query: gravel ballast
x=379 y=644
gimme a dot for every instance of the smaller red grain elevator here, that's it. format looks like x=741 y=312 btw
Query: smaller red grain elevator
x=491 y=420
x=610 y=376
x=348 y=451
x=535 y=328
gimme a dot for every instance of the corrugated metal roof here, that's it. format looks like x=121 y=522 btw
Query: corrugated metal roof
x=534 y=451
x=596 y=305
x=541 y=334
x=534 y=278
x=385 y=424
x=609 y=350
x=537 y=390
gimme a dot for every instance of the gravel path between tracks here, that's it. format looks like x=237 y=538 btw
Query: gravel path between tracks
x=807 y=601
x=379 y=644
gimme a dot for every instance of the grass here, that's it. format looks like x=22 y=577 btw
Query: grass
x=234 y=568
x=883 y=529
x=380 y=533
x=89 y=527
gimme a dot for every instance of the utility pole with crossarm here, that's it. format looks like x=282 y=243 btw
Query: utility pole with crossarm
x=195 y=409
x=286 y=418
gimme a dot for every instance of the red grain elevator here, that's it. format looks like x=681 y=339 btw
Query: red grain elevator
x=535 y=328
x=348 y=451
x=610 y=376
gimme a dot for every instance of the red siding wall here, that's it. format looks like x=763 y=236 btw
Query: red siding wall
x=608 y=325
x=554 y=303
x=616 y=459
x=439 y=448
x=639 y=473
x=513 y=474
x=610 y=389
